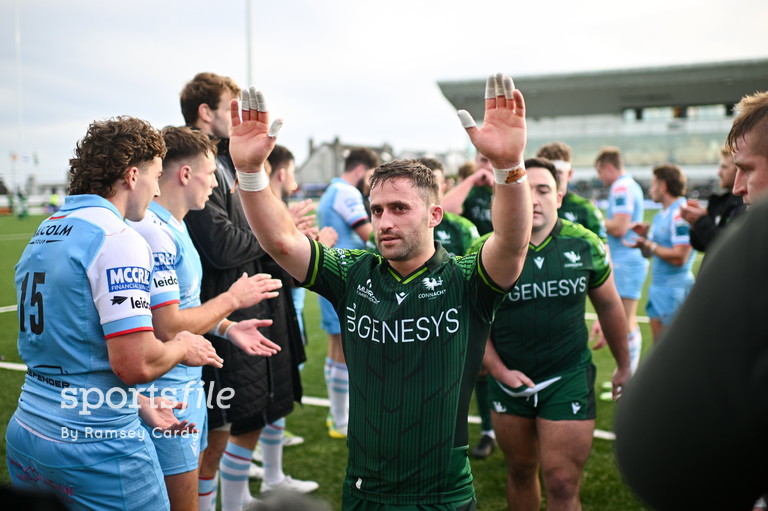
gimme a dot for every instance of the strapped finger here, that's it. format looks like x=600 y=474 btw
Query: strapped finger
x=467 y=121
x=274 y=128
x=261 y=102
x=508 y=86
x=498 y=83
x=490 y=92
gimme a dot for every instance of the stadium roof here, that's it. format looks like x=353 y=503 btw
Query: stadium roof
x=612 y=92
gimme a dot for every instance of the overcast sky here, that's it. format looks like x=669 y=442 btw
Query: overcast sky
x=364 y=71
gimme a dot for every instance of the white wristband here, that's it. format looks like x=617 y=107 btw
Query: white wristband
x=215 y=330
x=511 y=176
x=252 y=181
x=226 y=332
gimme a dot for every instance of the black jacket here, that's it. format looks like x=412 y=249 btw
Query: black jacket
x=721 y=209
x=264 y=386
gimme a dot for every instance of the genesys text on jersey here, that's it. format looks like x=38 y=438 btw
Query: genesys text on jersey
x=401 y=330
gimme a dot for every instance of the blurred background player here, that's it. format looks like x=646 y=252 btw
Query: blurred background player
x=668 y=242
x=707 y=223
x=630 y=268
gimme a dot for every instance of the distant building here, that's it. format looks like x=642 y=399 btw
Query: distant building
x=326 y=161
x=679 y=114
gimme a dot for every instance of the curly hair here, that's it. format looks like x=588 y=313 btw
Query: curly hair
x=108 y=149
x=204 y=89
x=184 y=143
x=423 y=177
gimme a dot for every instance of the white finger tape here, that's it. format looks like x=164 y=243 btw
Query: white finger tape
x=466 y=119
x=274 y=128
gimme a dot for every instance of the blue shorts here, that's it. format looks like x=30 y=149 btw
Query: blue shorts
x=630 y=277
x=663 y=302
x=118 y=474
x=330 y=320
x=180 y=453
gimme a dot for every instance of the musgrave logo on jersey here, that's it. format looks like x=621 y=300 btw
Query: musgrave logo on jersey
x=574 y=258
x=128 y=277
x=367 y=293
x=431 y=284
x=164 y=261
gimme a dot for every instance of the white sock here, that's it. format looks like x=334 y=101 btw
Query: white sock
x=338 y=392
x=272 y=452
x=234 y=477
x=206 y=493
x=635 y=339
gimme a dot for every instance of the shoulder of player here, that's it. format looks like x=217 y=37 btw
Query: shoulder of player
x=573 y=230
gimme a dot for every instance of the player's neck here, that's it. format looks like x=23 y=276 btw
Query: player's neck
x=406 y=267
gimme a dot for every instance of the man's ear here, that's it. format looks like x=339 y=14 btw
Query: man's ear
x=185 y=173
x=435 y=215
x=205 y=113
x=131 y=177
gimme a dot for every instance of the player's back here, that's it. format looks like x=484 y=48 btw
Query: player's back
x=626 y=197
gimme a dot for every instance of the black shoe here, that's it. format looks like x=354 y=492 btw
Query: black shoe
x=484 y=448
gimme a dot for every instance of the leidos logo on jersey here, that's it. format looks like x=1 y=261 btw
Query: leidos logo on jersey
x=127 y=277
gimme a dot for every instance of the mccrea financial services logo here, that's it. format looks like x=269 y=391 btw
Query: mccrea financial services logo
x=128 y=277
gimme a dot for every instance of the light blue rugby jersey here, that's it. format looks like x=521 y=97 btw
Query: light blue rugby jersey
x=626 y=197
x=176 y=276
x=83 y=278
x=668 y=229
x=341 y=207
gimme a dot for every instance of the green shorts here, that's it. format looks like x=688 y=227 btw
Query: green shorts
x=350 y=503
x=571 y=397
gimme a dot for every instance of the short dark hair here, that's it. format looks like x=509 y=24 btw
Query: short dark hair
x=543 y=163
x=108 y=149
x=185 y=143
x=467 y=169
x=432 y=163
x=280 y=157
x=204 y=89
x=610 y=155
x=361 y=155
x=673 y=177
x=555 y=151
x=751 y=117
x=423 y=177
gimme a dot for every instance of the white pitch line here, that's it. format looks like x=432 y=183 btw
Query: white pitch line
x=321 y=401
x=9 y=308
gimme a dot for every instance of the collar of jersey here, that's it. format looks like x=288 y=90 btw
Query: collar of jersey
x=439 y=257
x=554 y=234
x=87 y=200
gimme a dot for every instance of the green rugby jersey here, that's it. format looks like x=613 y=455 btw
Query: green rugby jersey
x=576 y=208
x=455 y=233
x=477 y=208
x=413 y=347
x=539 y=328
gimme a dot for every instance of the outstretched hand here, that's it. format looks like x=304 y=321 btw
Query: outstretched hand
x=246 y=336
x=252 y=137
x=157 y=413
x=503 y=135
